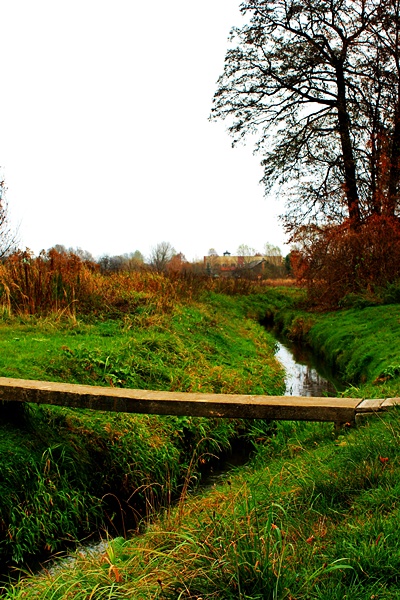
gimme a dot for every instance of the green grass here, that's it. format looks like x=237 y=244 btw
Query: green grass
x=360 y=346
x=66 y=473
x=363 y=346
x=207 y=347
x=311 y=517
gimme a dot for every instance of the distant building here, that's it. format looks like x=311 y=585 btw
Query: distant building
x=243 y=266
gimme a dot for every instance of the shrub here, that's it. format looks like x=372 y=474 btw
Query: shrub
x=340 y=262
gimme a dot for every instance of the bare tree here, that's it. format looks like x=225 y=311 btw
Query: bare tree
x=318 y=82
x=160 y=256
x=246 y=254
x=60 y=248
x=211 y=262
x=133 y=261
x=84 y=255
x=271 y=250
x=245 y=250
x=8 y=236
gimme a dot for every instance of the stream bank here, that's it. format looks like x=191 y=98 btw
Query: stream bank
x=305 y=375
x=67 y=473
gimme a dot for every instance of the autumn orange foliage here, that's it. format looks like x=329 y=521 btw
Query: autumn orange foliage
x=67 y=284
x=336 y=261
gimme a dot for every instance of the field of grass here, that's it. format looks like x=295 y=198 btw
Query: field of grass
x=67 y=473
x=313 y=515
x=203 y=346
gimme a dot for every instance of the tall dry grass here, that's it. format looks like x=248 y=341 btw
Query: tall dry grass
x=63 y=283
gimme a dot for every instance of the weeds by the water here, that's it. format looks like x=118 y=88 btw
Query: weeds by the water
x=317 y=523
x=66 y=473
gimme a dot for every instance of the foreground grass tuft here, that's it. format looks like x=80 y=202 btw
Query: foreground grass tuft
x=320 y=522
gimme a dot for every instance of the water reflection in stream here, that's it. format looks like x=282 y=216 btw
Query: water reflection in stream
x=302 y=376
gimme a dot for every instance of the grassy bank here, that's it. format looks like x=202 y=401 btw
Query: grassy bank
x=312 y=516
x=211 y=345
x=66 y=473
x=361 y=346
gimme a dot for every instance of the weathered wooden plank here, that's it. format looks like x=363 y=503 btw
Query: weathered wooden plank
x=389 y=402
x=370 y=405
x=179 y=403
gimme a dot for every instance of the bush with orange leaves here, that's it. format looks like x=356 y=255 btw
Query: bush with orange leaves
x=337 y=262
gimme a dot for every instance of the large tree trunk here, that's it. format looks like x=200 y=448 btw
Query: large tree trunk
x=351 y=191
x=394 y=173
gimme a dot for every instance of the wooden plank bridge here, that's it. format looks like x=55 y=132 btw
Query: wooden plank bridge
x=293 y=408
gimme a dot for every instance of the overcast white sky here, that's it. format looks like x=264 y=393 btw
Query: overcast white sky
x=105 y=142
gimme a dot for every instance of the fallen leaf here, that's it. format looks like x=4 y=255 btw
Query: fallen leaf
x=114 y=571
x=311 y=539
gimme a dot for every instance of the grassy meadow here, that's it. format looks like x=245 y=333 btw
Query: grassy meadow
x=311 y=515
x=67 y=473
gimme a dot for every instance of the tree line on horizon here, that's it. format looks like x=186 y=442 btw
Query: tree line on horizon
x=163 y=258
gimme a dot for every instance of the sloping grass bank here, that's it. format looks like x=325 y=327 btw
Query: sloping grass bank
x=363 y=345
x=360 y=345
x=311 y=518
x=66 y=473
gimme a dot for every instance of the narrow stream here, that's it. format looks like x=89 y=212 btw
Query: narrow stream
x=304 y=376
